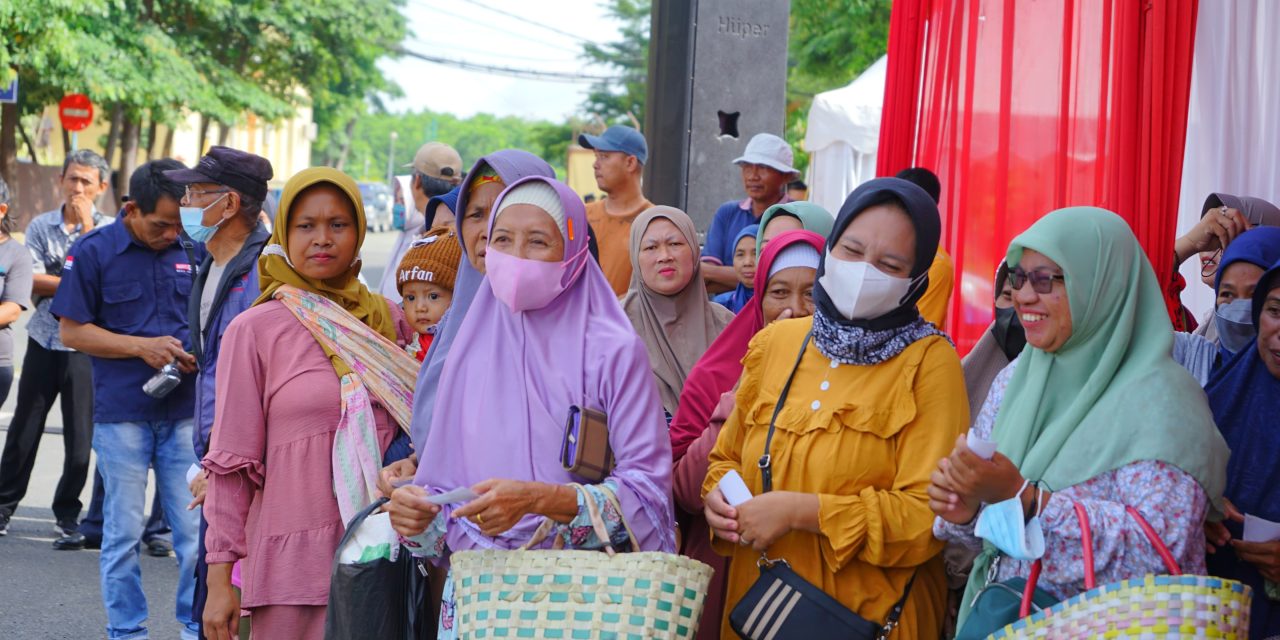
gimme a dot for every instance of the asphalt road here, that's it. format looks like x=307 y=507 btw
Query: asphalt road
x=47 y=594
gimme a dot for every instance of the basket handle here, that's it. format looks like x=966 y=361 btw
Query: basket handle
x=1161 y=548
x=1029 y=591
x=597 y=519
x=597 y=522
x=1086 y=539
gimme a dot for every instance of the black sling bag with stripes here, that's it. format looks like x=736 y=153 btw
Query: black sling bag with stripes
x=781 y=604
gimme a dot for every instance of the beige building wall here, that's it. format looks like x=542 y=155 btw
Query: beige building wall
x=287 y=143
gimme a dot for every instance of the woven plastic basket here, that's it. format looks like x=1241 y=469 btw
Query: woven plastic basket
x=577 y=594
x=1151 y=607
x=1155 y=606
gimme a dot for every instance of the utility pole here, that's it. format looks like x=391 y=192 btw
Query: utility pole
x=391 y=159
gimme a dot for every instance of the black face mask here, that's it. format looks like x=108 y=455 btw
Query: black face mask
x=1008 y=332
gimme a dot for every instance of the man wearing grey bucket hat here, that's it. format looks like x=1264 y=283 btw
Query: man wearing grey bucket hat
x=766 y=166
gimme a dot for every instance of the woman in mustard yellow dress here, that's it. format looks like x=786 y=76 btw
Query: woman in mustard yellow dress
x=876 y=397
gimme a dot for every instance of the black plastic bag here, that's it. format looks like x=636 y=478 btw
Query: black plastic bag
x=377 y=599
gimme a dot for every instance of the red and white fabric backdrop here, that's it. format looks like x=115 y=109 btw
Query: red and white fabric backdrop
x=1233 y=125
x=1025 y=107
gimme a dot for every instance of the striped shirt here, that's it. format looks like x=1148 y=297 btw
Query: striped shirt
x=48 y=242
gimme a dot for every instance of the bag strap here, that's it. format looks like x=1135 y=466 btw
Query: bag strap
x=766 y=462
x=895 y=614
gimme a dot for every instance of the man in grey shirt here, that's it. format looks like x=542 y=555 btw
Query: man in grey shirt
x=50 y=369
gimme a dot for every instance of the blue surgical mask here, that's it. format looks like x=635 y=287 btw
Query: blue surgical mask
x=1234 y=322
x=397 y=216
x=193 y=221
x=1003 y=525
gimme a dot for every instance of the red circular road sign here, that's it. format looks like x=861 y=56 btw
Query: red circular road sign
x=75 y=111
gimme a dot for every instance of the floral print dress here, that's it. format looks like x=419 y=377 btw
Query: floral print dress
x=578 y=534
x=1170 y=499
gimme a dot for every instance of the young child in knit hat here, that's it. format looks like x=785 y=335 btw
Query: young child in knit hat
x=425 y=282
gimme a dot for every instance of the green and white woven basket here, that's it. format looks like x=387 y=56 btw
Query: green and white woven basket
x=577 y=594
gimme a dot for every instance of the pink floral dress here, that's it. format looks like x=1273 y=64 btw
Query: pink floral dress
x=1171 y=500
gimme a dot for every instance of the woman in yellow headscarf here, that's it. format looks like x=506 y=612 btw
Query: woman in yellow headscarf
x=311 y=383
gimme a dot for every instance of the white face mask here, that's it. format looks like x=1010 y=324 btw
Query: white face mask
x=859 y=290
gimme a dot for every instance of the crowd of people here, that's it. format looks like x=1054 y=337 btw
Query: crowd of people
x=241 y=356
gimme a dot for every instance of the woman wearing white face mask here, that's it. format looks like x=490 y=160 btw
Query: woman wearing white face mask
x=1240 y=268
x=848 y=406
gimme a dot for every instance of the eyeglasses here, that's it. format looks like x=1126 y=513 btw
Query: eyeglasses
x=1208 y=268
x=1041 y=281
x=189 y=192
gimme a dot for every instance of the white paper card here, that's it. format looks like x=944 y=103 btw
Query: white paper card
x=457 y=496
x=983 y=448
x=734 y=489
x=1259 y=530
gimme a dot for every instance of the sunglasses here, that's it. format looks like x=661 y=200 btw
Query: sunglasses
x=1209 y=267
x=1041 y=281
x=189 y=192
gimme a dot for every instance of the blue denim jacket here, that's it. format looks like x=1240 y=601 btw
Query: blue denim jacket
x=236 y=293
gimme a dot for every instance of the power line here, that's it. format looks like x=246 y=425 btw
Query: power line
x=454 y=49
x=529 y=74
x=528 y=21
x=487 y=25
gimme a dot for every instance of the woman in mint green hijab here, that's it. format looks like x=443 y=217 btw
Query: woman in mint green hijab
x=792 y=216
x=1094 y=411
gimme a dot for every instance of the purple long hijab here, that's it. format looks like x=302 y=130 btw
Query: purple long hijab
x=510 y=165
x=500 y=411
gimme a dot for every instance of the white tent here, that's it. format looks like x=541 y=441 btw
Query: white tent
x=843 y=135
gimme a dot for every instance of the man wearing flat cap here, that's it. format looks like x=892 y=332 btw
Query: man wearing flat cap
x=220 y=207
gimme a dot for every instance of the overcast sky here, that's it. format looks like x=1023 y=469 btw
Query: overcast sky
x=462 y=30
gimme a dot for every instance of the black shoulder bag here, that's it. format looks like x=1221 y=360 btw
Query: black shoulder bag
x=781 y=604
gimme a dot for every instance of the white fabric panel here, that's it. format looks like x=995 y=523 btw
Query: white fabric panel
x=1233 y=123
x=850 y=114
x=835 y=171
x=842 y=136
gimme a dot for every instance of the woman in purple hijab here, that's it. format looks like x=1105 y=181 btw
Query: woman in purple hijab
x=544 y=333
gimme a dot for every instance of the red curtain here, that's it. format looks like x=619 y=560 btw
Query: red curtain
x=1026 y=107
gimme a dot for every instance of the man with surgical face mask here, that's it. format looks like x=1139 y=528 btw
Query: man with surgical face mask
x=221 y=207
x=1241 y=266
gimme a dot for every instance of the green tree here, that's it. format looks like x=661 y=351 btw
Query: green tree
x=830 y=43
x=151 y=60
x=616 y=101
x=472 y=137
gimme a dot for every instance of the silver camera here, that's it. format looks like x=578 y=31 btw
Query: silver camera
x=164 y=381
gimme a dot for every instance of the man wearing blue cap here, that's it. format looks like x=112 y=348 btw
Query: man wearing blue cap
x=620 y=155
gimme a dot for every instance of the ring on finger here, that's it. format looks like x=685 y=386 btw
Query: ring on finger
x=743 y=541
x=479 y=519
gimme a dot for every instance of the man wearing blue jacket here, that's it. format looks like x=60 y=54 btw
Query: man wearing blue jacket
x=224 y=195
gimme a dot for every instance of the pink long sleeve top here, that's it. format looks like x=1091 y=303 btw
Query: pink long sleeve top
x=270 y=496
